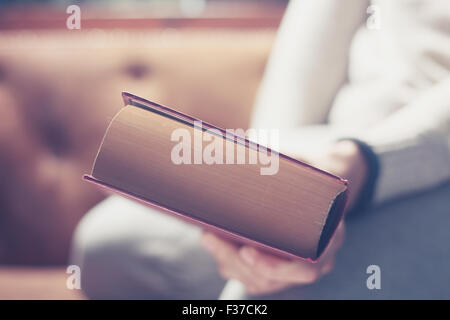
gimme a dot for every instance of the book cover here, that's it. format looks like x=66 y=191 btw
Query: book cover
x=292 y=213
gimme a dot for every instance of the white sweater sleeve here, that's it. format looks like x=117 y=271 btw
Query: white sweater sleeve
x=308 y=63
x=413 y=144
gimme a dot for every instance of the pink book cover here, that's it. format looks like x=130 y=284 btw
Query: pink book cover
x=130 y=99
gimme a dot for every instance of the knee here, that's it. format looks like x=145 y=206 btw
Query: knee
x=125 y=250
x=101 y=249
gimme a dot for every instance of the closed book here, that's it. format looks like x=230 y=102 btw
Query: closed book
x=292 y=211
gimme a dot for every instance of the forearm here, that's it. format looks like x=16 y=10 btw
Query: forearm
x=413 y=145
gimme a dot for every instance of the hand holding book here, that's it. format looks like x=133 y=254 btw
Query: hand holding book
x=263 y=273
x=286 y=218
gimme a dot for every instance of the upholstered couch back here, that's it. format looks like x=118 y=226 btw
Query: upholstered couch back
x=58 y=91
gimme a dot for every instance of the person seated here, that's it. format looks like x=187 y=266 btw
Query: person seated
x=366 y=100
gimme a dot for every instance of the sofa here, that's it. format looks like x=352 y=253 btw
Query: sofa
x=58 y=91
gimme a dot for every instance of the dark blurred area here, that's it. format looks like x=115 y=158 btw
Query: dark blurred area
x=59 y=88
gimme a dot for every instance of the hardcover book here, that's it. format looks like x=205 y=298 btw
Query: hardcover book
x=292 y=212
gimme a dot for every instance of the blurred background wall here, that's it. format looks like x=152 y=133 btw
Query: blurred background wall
x=59 y=88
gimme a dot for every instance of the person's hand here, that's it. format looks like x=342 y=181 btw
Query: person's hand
x=263 y=273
